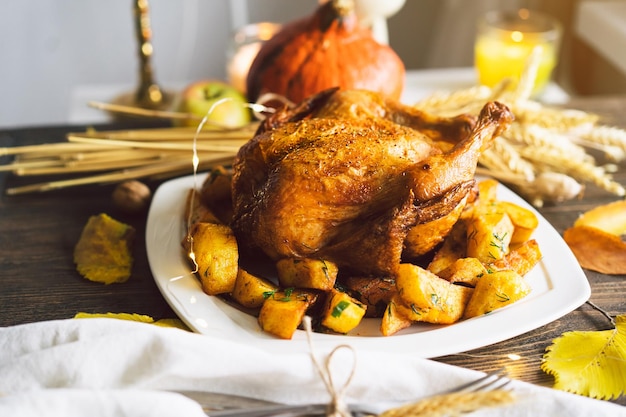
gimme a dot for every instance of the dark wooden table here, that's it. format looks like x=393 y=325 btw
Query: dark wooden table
x=38 y=280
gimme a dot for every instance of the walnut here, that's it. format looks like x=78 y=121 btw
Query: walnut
x=132 y=196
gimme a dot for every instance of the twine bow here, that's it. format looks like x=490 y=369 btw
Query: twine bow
x=337 y=406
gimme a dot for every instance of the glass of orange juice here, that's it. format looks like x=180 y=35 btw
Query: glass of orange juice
x=505 y=41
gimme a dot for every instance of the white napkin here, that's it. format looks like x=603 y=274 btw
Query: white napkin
x=108 y=367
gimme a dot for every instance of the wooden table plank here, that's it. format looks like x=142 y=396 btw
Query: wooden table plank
x=38 y=280
x=37 y=237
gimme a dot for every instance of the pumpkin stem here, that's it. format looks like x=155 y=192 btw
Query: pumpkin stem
x=335 y=10
x=343 y=7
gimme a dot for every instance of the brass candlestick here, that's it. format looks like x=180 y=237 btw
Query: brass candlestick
x=149 y=94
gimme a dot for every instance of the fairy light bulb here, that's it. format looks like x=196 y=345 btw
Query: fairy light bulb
x=192 y=255
x=517 y=36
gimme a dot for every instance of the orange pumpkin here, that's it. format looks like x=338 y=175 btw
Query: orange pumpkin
x=326 y=49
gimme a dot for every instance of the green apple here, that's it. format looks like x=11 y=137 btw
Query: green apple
x=198 y=98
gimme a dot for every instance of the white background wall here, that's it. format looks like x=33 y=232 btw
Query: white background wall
x=52 y=51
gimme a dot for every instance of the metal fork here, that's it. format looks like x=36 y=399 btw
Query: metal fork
x=490 y=382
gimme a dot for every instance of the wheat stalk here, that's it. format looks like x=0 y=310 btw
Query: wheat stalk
x=542 y=142
x=112 y=156
x=452 y=404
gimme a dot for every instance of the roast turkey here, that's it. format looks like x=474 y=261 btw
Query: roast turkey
x=358 y=179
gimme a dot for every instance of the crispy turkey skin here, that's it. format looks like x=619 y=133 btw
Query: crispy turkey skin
x=346 y=175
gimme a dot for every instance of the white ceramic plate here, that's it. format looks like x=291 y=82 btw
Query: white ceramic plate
x=558 y=286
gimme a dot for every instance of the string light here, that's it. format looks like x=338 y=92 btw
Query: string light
x=510 y=356
x=195 y=161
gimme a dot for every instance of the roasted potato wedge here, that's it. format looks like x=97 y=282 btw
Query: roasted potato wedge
x=524 y=221
x=521 y=259
x=342 y=313
x=307 y=273
x=417 y=314
x=464 y=271
x=495 y=291
x=216 y=254
x=426 y=236
x=283 y=311
x=487 y=191
x=251 y=291
x=489 y=233
x=453 y=248
x=393 y=319
x=421 y=289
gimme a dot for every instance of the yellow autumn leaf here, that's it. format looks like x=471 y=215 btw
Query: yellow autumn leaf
x=172 y=323
x=590 y=363
x=135 y=317
x=122 y=316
